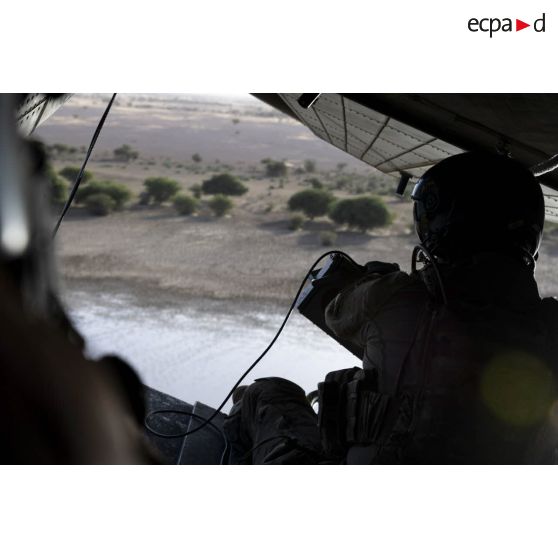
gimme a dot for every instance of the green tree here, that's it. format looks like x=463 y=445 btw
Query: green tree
x=224 y=184
x=125 y=153
x=197 y=158
x=363 y=213
x=274 y=169
x=220 y=205
x=312 y=202
x=118 y=193
x=184 y=204
x=100 y=204
x=71 y=173
x=160 y=188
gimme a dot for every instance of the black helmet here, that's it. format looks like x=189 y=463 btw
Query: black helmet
x=477 y=202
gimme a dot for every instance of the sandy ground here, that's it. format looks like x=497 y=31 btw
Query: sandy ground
x=226 y=258
x=250 y=254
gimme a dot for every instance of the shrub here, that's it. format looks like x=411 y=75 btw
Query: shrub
x=100 y=204
x=224 y=184
x=125 y=153
x=197 y=158
x=71 y=173
x=58 y=190
x=313 y=203
x=363 y=213
x=315 y=183
x=196 y=190
x=160 y=188
x=184 y=204
x=220 y=205
x=118 y=193
x=328 y=238
x=310 y=165
x=296 y=222
x=275 y=169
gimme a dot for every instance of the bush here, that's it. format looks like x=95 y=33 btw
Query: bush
x=160 y=188
x=58 y=190
x=220 y=205
x=197 y=191
x=118 y=193
x=71 y=173
x=274 y=169
x=184 y=204
x=364 y=213
x=100 y=204
x=310 y=165
x=328 y=238
x=197 y=158
x=125 y=153
x=224 y=184
x=313 y=203
x=296 y=222
x=315 y=183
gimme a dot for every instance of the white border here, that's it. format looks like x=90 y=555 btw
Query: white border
x=287 y=45
x=277 y=512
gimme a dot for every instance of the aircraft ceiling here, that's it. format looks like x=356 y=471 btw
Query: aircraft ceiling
x=410 y=132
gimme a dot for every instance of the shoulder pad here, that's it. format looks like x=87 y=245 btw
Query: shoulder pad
x=381 y=268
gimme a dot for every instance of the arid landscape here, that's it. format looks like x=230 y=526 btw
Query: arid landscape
x=251 y=253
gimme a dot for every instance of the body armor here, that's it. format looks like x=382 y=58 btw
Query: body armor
x=469 y=381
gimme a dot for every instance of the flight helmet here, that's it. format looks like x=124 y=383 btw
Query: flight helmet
x=478 y=202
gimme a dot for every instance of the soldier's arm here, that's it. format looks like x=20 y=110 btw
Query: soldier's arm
x=349 y=312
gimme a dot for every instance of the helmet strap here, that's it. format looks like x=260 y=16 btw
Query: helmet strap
x=423 y=255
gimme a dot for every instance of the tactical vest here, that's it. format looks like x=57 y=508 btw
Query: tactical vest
x=470 y=381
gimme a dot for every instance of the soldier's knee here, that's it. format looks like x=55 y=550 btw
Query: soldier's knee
x=275 y=387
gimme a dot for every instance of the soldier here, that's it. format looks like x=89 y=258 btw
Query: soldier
x=459 y=356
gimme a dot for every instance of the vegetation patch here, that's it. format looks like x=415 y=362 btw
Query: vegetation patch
x=220 y=205
x=185 y=205
x=363 y=213
x=118 y=193
x=160 y=188
x=100 y=204
x=225 y=184
x=312 y=202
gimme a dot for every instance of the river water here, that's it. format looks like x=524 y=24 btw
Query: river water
x=196 y=349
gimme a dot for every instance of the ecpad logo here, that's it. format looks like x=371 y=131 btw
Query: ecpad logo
x=492 y=25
